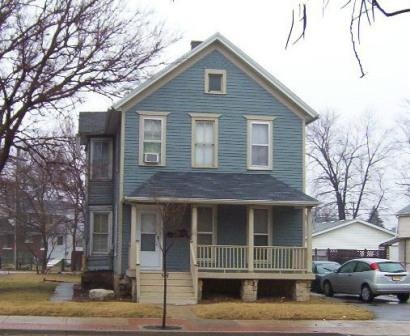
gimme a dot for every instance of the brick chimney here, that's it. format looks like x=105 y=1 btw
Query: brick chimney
x=194 y=44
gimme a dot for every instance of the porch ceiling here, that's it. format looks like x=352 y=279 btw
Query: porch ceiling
x=233 y=188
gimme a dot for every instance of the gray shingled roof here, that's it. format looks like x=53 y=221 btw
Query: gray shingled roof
x=404 y=211
x=220 y=186
x=92 y=122
x=322 y=226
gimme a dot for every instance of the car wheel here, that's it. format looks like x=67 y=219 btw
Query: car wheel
x=366 y=294
x=327 y=289
x=403 y=297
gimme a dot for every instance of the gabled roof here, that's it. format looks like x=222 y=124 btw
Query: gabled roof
x=324 y=227
x=404 y=212
x=232 y=188
x=309 y=114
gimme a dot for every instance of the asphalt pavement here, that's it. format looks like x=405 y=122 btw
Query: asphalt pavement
x=385 y=308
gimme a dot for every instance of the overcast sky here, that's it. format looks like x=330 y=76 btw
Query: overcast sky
x=321 y=69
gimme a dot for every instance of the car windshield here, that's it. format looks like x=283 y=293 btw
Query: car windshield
x=327 y=268
x=390 y=267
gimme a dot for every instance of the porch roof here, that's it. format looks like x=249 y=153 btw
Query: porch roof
x=233 y=188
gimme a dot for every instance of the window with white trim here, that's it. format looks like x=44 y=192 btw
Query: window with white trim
x=100 y=225
x=206 y=217
x=101 y=159
x=261 y=228
x=215 y=81
x=260 y=144
x=205 y=142
x=152 y=140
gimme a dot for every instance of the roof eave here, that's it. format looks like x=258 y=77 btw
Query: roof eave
x=131 y=199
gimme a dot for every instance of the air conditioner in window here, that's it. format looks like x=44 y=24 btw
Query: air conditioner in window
x=151 y=157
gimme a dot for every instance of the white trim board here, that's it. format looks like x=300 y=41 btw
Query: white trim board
x=309 y=114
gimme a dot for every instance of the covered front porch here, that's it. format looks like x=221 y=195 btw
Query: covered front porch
x=225 y=239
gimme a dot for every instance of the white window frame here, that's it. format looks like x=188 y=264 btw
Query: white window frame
x=223 y=83
x=262 y=120
x=162 y=116
x=195 y=117
x=96 y=210
x=270 y=225
x=110 y=163
x=214 y=223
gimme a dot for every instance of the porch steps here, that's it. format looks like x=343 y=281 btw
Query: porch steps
x=179 y=290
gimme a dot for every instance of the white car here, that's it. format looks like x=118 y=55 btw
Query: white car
x=369 y=277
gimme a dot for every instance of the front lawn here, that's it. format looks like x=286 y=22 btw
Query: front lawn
x=28 y=294
x=316 y=309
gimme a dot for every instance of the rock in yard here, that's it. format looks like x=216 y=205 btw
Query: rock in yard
x=101 y=294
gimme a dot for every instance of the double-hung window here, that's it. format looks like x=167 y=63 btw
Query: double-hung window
x=261 y=231
x=100 y=224
x=206 y=225
x=204 y=140
x=259 y=143
x=152 y=139
x=101 y=159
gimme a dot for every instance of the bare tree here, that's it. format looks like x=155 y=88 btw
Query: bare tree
x=404 y=141
x=172 y=216
x=35 y=204
x=69 y=164
x=358 y=11
x=52 y=52
x=347 y=164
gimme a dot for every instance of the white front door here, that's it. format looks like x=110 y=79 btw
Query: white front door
x=149 y=235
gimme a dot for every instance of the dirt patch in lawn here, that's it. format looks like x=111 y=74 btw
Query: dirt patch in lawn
x=315 y=309
x=28 y=294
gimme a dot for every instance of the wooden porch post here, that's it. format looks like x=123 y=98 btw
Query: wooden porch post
x=135 y=251
x=309 y=239
x=132 y=251
x=194 y=227
x=250 y=238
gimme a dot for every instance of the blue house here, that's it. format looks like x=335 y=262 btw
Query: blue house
x=218 y=134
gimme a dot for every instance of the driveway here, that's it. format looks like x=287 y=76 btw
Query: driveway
x=385 y=308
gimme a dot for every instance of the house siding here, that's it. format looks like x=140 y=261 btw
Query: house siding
x=287 y=226
x=231 y=225
x=102 y=193
x=185 y=94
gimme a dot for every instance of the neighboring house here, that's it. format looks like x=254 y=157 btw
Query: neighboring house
x=403 y=237
x=29 y=238
x=217 y=132
x=351 y=234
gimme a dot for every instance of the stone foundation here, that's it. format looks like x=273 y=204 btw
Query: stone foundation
x=97 y=279
x=249 y=290
x=301 y=290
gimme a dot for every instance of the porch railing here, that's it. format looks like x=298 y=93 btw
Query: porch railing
x=265 y=258
x=222 y=257
x=280 y=258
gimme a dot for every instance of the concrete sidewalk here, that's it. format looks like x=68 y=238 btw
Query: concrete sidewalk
x=66 y=325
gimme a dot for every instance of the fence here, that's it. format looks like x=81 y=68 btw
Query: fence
x=342 y=256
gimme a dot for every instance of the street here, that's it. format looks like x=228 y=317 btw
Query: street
x=385 y=308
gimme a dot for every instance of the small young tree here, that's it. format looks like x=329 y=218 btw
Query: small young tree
x=172 y=217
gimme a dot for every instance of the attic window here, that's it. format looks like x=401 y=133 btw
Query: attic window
x=215 y=81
